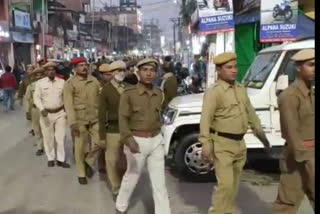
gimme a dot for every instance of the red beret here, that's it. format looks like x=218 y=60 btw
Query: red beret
x=78 y=60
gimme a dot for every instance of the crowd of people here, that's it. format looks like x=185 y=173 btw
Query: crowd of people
x=96 y=101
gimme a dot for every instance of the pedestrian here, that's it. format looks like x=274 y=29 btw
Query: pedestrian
x=169 y=85
x=131 y=76
x=17 y=72
x=139 y=125
x=81 y=95
x=38 y=74
x=8 y=83
x=105 y=73
x=24 y=84
x=109 y=124
x=226 y=115
x=297 y=119
x=48 y=98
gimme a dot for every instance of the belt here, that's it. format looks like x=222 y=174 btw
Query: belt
x=52 y=111
x=145 y=134
x=228 y=135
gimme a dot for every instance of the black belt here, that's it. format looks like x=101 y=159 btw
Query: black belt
x=228 y=135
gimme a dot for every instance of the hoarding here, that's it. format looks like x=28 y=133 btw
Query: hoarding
x=278 y=20
x=22 y=19
x=215 y=16
x=128 y=2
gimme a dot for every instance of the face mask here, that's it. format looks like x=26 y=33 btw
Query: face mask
x=120 y=76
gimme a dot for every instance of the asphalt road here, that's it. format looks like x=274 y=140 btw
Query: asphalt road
x=28 y=186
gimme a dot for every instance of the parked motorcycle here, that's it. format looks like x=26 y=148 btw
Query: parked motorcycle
x=284 y=9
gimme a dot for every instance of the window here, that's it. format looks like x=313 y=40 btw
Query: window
x=260 y=69
x=288 y=67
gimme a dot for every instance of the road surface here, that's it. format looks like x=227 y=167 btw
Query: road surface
x=28 y=186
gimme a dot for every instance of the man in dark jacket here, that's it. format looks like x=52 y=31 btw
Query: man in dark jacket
x=8 y=83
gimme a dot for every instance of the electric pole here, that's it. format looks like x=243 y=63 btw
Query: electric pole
x=176 y=22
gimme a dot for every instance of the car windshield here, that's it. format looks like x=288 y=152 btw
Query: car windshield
x=260 y=70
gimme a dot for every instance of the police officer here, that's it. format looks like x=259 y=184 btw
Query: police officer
x=108 y=114
x=297 y=119
x=81 y=93
x=169 y=84
x=105 y=73
x=139 y=124
x=48 y=97
x=38 y=74
x=226 y=115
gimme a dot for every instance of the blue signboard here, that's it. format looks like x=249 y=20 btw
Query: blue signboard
x=278 y=20
x=215 y=16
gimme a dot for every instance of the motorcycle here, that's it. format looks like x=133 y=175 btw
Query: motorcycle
x=284 y=9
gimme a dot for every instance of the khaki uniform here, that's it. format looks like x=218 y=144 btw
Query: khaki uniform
x=35 y=114
x=297 y=108
x=48 y=96
x=139 y=121
x=21 y=94
x=109 y=129
x=170 y=88
x=226 y=115
x=81 y=105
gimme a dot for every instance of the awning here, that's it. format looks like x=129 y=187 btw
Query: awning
x=22 y=37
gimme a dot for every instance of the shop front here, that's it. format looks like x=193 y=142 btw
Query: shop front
x=23 y=46
x=5 y=43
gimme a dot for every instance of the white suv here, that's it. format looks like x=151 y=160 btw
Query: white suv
x=182 y=117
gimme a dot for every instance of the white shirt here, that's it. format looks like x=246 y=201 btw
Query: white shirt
x=49 y=94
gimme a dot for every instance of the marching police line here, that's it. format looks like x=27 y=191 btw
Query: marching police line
x=123 y=120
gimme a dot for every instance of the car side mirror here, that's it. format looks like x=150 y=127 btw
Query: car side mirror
x=282 y=83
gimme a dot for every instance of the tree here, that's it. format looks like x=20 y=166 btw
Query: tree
x=187 y=9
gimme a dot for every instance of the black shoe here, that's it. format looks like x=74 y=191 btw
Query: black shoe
x=89 y=170
x=50 y=163
x=114 y=196
x=63 y=164
x=32 y=132
x=119 y=212
x=39 y=152
x=82 y=181
x=102 y=171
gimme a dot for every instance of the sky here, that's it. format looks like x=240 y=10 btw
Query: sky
x=157 y=9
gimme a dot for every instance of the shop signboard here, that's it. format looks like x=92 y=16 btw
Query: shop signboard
x=22 y=37
x=278 y=20
x=215 y=16
x=21 y=19
x=4 y=32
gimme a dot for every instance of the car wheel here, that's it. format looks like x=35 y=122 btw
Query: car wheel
x=188 y=160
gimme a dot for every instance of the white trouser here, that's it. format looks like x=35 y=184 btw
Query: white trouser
x=152 y=152
x=54 y=129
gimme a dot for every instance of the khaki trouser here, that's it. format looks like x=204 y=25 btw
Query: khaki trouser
x=81 y=145
x=36 y=127
x=152 y=152
x=297 y=179
x=229 y=159
x=112 y=157
x=54 y=130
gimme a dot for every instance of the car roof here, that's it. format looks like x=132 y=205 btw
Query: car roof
x=310 y=43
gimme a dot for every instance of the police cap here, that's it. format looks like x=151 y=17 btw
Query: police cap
x=224 y=58
x=304 y=55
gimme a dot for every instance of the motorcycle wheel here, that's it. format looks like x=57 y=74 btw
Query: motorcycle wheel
x=275 y=12
x=288 y=15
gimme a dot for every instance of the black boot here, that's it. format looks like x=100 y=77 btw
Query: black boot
x=89 y=170
x=63 y=164
x=82 y=181
x=50 y=163
x=39 y=152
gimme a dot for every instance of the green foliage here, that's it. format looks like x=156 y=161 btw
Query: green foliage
x=187 y=9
